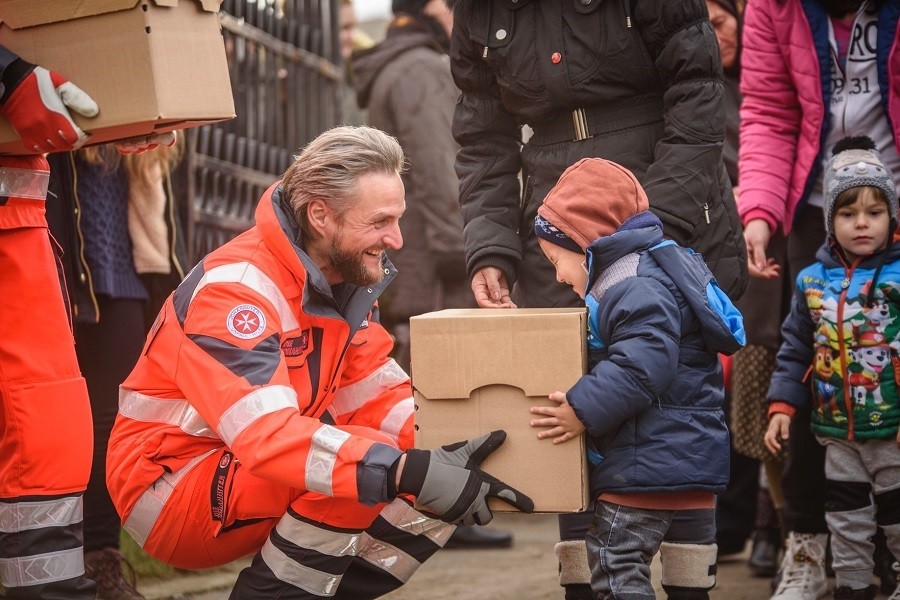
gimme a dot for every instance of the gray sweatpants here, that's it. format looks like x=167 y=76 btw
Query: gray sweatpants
x=862 y=489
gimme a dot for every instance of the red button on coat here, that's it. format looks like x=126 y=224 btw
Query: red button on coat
x=555 y=58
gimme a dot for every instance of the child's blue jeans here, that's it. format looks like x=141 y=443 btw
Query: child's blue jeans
x=621 y=544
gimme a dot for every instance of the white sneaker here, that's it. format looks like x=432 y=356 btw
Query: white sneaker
x=803 y=568
x=896 y=594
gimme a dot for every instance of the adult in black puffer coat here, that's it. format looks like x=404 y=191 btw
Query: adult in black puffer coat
x=647 y=77
x=638 y=82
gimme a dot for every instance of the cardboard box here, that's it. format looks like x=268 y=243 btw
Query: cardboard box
x=474 y=371
x=151 y=65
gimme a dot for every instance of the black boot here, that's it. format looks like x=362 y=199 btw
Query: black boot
x=845 y=593
x=475 y=537
x=684 y=593
x=884 y=563
x=578 y=591
x=763 y=561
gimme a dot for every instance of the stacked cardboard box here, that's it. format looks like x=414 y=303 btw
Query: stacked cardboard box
x=151 y=65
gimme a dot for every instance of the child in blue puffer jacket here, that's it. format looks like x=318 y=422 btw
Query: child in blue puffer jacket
x=652 y=400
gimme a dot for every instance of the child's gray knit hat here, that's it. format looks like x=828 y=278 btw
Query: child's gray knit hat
x=856 y=162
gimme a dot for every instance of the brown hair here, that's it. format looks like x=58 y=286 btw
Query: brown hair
x=851 y=195
x=135 y=165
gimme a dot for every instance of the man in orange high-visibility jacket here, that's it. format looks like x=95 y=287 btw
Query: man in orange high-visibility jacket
x=264 y=414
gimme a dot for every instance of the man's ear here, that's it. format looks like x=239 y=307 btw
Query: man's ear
x=319 y=216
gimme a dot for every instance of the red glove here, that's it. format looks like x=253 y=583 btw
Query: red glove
x=142 y=143
x=38 y=108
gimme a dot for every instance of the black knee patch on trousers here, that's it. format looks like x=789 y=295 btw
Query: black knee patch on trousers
x=888 y=507
x=842 y=496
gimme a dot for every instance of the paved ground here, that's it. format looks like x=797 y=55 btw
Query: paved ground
x=525 y=571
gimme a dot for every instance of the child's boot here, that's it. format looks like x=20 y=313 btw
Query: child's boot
x=846 y=593
x=688 y=570
x=574 y=572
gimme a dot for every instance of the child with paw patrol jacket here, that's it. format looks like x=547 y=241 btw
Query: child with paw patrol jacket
x=840 y=349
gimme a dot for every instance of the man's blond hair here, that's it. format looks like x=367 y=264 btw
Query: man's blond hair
x=330 y=166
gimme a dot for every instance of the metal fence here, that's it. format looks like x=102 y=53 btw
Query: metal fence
x=284 y=63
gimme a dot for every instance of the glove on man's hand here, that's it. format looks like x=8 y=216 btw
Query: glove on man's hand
x=37 y=105
x=448 y=482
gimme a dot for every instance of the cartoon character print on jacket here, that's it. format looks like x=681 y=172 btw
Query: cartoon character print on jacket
x=857 y=344
x=826 y=383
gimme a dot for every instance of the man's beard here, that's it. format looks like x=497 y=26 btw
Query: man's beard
x=351 y=265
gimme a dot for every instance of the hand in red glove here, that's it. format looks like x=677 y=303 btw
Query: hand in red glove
x=38 y=106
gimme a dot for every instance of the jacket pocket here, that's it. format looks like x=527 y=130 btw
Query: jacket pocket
x=49 y=447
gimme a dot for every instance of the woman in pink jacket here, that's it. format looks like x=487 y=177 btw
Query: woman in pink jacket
x=812 y=73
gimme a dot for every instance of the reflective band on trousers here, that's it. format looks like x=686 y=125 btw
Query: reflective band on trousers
x=41 y=569
x=354 y=396
x=149 y=506
x=169 y=411
x=252 y=277
x=22 y=516
x=389 y=558
x=383 y=555
x=403 y=516
x=325 y=541
x=251 y=407
x=326 y=442
x=290 y=571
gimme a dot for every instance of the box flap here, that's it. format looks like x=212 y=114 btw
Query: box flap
x=454 y=352
x=27 y=13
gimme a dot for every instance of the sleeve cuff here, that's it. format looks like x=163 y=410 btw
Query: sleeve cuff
x=507 y=265
x=373 y=474
x=781 y=407
x=414 y=471
x=760 y=213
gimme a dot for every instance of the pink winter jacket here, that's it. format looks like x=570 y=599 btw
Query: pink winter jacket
x=783 y=112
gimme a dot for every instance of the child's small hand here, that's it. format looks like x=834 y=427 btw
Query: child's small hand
x=779 y=425
x=562 y=420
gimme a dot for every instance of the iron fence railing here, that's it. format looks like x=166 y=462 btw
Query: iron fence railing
x=284 y=63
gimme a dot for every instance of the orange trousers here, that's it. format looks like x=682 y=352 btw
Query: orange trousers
x=46 y=436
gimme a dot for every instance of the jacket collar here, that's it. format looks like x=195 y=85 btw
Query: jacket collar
x=828 y=255
x=640 y=232
x=281 y=234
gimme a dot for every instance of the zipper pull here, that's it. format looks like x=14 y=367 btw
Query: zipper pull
x=484 y=54
x=628 y=21
x=706 y=212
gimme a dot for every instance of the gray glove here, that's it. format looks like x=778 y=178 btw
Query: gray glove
x=448 y=483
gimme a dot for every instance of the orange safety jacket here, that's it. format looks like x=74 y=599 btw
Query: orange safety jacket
x=256 y=352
